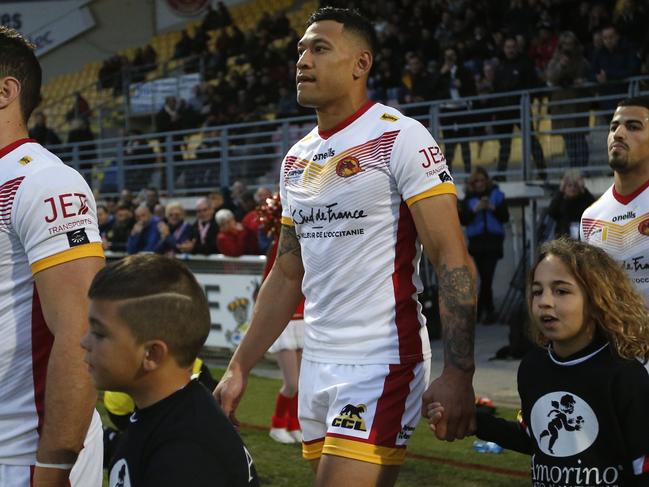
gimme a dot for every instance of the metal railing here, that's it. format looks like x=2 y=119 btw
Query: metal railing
x=504 y=132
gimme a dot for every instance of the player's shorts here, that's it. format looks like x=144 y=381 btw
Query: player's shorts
x=87 y=471
x=292 y=338
x=363 y=412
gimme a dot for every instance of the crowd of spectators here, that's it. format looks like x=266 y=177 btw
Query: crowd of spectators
x=224 y=222
x=425 y=48
x=428 y=50
x=117 y=71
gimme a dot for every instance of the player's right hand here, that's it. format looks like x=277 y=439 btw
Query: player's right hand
x=434 y=414
x=229 y=392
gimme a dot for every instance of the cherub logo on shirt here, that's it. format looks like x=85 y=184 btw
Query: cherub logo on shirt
x=350 y=418
x=563 y=424
x=643 y=227
x=119 y=476
x=348 y=166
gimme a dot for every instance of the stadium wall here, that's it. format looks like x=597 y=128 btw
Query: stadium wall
x=119 y=24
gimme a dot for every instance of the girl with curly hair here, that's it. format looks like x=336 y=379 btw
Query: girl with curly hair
x=585 y=394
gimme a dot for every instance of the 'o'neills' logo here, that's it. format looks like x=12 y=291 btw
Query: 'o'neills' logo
x=348 y=166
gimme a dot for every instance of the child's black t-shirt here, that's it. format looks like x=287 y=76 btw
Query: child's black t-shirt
x=185 y=439
x=585 y=419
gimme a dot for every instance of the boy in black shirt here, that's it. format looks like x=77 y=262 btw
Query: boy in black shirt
x=148 y=320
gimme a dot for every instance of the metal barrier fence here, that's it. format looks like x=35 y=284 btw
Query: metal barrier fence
x=520 y=135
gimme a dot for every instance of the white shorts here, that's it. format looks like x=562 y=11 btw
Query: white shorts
x=364 y=412
x=87 y=471
x=292 y=338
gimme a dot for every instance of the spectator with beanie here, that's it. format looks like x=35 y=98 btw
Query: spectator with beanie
x=484 y=211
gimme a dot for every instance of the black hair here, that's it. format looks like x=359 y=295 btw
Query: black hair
x=352 y=21
x=19 y=61
x=161 y=300
x=635 y=101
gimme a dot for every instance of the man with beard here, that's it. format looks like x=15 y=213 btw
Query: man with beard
x=619 y=221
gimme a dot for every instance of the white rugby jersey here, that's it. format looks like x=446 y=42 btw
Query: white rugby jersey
x=347 y=192
x=620 y=226
x=47 y=217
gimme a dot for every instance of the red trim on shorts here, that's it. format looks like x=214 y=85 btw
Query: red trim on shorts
x=645 y=465
x=625 y=199
x=42 y=340
x=14 y=145
x=325 y=134
x=391 y=405
x=406 y=311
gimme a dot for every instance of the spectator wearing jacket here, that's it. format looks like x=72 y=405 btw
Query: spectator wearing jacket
x=484 y=211
x=117 y=237
x=175 y=232
x=453 y=84
x=205 y=229
x=515 y=72
x=569 y=203
x=568 y=71
x=614 y=61
x=145 y=234
x=234 y=239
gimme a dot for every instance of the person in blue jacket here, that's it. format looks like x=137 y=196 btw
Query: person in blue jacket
x=145 y=234
x=484 y=211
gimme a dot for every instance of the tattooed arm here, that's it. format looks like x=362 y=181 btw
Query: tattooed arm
x=278 y=297
x=439 y=231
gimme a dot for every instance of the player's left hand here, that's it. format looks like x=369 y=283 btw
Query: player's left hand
x=51 y=477
x=453 y=389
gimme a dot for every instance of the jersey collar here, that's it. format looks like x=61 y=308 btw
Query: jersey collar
x=325 y=134
x=14 y=145
x=625 y=199
x=580 y=356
